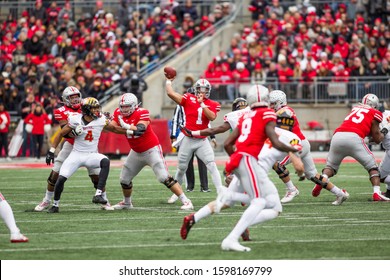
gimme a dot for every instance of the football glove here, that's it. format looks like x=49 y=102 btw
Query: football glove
x=49 y=157
x=123 y=124
x=385 y=130
x=77 y=130
x=186 y=131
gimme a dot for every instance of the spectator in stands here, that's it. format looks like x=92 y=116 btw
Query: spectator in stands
x=27 y=107
x=258 y=9
x=65 y=13
x=38 y=119
x=5 y=121
x=240 y=75
x=52 y=14
x=32 y=85
x=39 y=11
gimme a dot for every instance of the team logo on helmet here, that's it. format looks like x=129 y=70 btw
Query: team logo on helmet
x=91 y=107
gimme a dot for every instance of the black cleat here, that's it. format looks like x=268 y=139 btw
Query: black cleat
x=387 y=193
x=53 y=209
x=99 y=199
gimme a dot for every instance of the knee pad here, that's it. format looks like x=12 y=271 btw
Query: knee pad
x=334 y=171
x=94 y=180
x=374 y=172
x=127 y=187
x=281 y=170
x=319 y=181
x=104 y=163
x=52 y=178
x=169 y=182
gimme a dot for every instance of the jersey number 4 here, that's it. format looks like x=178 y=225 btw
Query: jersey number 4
x=357 y=115
x=89 y=136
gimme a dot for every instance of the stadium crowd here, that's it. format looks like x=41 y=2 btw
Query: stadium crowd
x=297 y=44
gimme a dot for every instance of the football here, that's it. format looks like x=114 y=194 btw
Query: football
x=169 y=72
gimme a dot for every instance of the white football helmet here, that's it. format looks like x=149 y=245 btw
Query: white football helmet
x=371 y=100
x=258 y=96
x=128 y=103
x=202 y=86
x=74 y=102
x=277 y=99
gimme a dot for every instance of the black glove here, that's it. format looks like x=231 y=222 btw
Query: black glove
x=385 y=130
x=141 y=128
x=49 y=158
x=186 y=131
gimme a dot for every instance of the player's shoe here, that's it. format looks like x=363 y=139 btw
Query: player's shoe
x=340 y=199
x=18 y=238
x=232 y=245
x=188 y=222
x=205 y=190
x=224 y=196
x=245 y=235
x=189 y=190
x=99 y=199
x=316 y=190
x=107 y=207
x=386 y=193
x=122 y=205
x=53 y=209
x=187 y=205
x=379 y=197
x=173 y=199
x=42 y=206
x=290 y=196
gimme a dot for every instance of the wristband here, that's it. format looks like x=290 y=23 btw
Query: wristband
x=129 y=132
x=168 y=82
x=52 y=150
x=202 y=105
x=196 y=133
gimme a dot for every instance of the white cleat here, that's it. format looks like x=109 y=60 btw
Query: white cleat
x=173 y=199
x=187 y=205
x=231 y=245
x=18 y=238
x=223 y=197
x=340 y=199
x=289 y=196
x=107 y=207
x=42 y=206
x=122 y=205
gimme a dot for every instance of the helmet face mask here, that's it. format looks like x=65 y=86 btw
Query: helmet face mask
x=128 y=103
x=202 y=86
x=91 y=107
x=277 y=99
x=371 y=100
x=239 y=103
x=72 y=98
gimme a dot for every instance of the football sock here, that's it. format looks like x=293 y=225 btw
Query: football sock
x=127 y=200
x=48 y=196
x=336 y=190
x=377 y=189
x=290 y=186
x=203 y=212
x=8 y=216
x=56 y=203
x=183 y=198
x=98 y=192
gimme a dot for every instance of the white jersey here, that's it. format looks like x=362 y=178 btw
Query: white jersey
x=233 y=117
x=269 y=155
x=386 y=122
x=88 y=140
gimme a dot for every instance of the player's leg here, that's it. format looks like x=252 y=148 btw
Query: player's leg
x=190 y=175
x=51 y=180
x=155 y=159
x=204 y=182
x=384 y=171
x=97 y=160
x=205 y=153
x=8 y=217
x=132 y=166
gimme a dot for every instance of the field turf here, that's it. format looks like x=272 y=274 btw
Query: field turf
x=309 y=228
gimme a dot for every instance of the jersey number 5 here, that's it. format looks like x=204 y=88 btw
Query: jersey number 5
x=357 y=115
x=89 y=136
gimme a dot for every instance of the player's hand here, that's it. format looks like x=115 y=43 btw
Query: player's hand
x=123 y=124
x=139 y=131
x=77 y=130
x=214 y=143
x=186 y=131
x=385 y=130
x=107 y=115
x=49 y=157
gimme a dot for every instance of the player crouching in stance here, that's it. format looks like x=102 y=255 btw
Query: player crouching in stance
x=86 y=129
x=145 y=150
x=8 y=217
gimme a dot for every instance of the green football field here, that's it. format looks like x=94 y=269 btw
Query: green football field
x=309 y=228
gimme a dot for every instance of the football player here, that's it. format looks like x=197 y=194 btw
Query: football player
x=72 y=98
x=86 y=129
x=145 y=150
x=199 y=111
x=8 y=217
x=384 y=167
x=348 y=140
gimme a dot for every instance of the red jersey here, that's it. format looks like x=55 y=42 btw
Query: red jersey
x=295 y=128
x=252 y=135
x=142 y=143
x=5 y=121
x=359 y=120
x=195 y=118
x=38 y=123
x=62 y=114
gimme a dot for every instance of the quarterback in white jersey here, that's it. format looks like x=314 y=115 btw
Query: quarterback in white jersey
x=86 y=129
x=384 y=167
